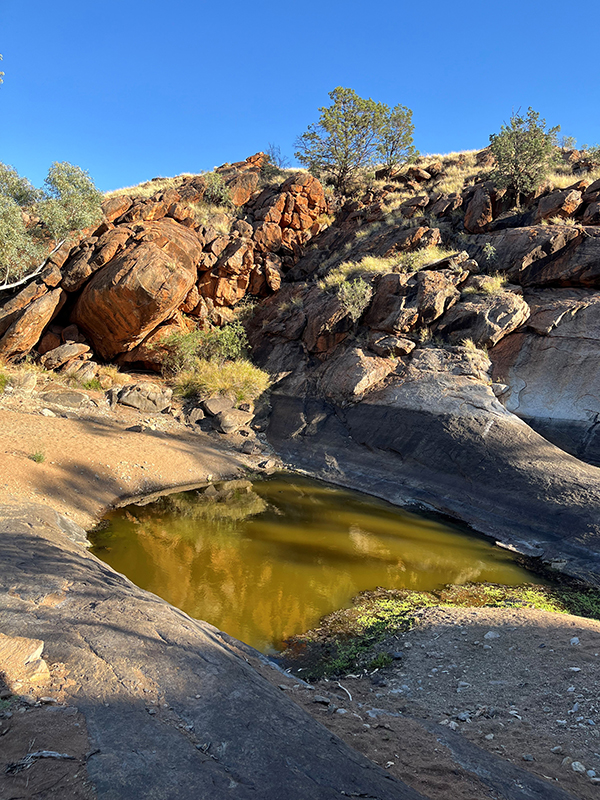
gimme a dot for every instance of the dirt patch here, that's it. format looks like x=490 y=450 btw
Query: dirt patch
x=522 y=684
x=87 y=458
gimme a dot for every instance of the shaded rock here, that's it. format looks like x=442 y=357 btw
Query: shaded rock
x=60 y=355
x=26 y=330
x=327 y=321
x=479 y=212
x=232 y=420
x=484 y=320
x=394 y=307
x=152 y=352
x=348 y=377
x=552 y=367
x=146 y=397
x=558 y=204
x=591 y=216
x=49 y=341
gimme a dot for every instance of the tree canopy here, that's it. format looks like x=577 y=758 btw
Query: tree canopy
x=354 y=132
x=32 y=219
x=524 y=151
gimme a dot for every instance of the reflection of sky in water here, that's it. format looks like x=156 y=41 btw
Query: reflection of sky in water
x=267 y=565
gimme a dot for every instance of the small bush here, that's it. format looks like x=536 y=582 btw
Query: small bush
x=220 y=344
x=490 y=253
x=355 y=296
x=487 y=284
x=216 y=191
x=39 y=456
x=3 y=381
x=240 y=380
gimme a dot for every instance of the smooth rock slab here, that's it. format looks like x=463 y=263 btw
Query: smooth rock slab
x=128 y=653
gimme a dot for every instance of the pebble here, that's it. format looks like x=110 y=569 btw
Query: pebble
x=575 y=669
x=341 y=711
x=489 y=737
x=577 y=766
x=557 y=749
x=318 y=698
x=591 y=773
x=487 y=646
x=575 y=640
x=151 y=711
x=571 y=689
x=567 y=760
x=45 y=412
x=527 y=757
x=492 y=635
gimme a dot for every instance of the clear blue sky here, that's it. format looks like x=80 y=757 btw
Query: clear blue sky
x=131 y=90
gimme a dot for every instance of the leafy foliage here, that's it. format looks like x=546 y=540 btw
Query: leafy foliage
x=350 y=134
x=396 y=137
x=524 y=151
x=211 y=344
x=30 y=218
x=355 y=297
x=216 y=191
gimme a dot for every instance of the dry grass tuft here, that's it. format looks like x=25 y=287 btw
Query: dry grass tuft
x=240 y=380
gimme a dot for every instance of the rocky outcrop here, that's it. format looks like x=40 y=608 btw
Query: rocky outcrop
x=435 y=434
x=150 y=680
x=552 y=369
x=484 y=319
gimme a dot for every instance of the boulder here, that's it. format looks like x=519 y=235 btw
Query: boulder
x=214 y=406
x=327 y=321
x=26 y=330
x=386 y=346
x=230 y=421
x=558 y=204
x=22 y=662
x=351 y=375
x=591 y=215
x=12 y=309
x=146 y=397
x=394 y=307
x=139 y=289
x=552 y=369
x=436 y=293
x=479 y=212
x=61 y=355
x=113 y=207
x=484 y=320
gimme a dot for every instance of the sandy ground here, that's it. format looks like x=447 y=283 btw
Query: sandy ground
x=91 y=461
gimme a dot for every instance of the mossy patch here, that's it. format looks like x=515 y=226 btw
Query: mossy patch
x=348 y=640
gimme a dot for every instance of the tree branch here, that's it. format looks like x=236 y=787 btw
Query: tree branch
x=6 y=286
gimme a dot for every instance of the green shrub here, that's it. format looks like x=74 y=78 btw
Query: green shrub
x=524 y=151
x=216 y=191
x=220 y=344
x=355 y=296
x=71 y=200
x=3 y=382
x=39 y=456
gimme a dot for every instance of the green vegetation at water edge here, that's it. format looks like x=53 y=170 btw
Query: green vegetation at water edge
x=347 y=640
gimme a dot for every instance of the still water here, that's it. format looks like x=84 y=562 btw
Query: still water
x=267 y=562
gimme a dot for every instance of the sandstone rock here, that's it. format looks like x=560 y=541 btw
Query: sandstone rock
x=22 y=664
x=327 y=322
x=242 y=187
x=139 y=289
x=479 y=212
x=61 y=355
x=348 y=377
x=436 y=293
x=146 y=397
x=484 y=320
x=268 y=237
x=83 y=371
x=445 y=205
x=386 y=346
x=66 y=398
x=114 y=207
x=11 y=309
x=51 y=276
x=558 y=204
x=23 y=383
x=26 y=330
x=552 y=366
x=232 y=420
x=214 y=406
x=418 y=174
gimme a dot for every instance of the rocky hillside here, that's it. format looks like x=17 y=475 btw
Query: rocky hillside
x=417 y=337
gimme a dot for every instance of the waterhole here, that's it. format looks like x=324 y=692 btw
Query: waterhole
x=265 y=561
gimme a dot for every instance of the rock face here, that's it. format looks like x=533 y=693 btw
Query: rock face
x=149 y=679
x=27 y=329
x=552 y=368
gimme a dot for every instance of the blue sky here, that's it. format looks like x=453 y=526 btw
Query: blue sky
x=132 y=90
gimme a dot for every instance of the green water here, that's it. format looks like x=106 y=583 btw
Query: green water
x=267 y=563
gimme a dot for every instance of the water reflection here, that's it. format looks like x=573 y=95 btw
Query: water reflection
x=266 y=562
